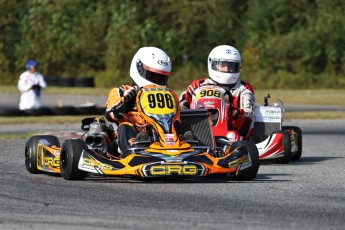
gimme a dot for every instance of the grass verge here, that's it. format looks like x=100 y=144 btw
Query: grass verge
x=16 y=136
x=52 y=90
x=289 y=96
x=315 y=115
x=41 y=120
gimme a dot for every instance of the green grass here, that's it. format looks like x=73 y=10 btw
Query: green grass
x=311 y=97
x=288 y=96
x=63 y=90
x=16 y=136
x=315 y=115
x=41 y=120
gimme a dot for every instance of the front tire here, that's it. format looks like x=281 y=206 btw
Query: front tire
x=250 y=173
x=298 y=131
x=69 y=158
x=31 y=150
x=287 y=149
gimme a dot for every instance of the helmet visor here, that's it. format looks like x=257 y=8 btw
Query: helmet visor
x=225 y=66
x=155 y=76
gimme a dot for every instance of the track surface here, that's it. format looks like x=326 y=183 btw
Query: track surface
x=309 y=194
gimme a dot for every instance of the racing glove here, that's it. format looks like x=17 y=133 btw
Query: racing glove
x=127 y=103
x=131 y=93
x=36 y=87
x=249 y=112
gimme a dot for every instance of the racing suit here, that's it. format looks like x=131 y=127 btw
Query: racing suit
x=121 y=104
x=241 y=114
x=30 y=85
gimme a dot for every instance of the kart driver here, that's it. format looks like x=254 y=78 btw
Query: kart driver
x=150 y=66
x=224 y=63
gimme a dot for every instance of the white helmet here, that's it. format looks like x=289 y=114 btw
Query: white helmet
x=150 y=65
x=224 y=65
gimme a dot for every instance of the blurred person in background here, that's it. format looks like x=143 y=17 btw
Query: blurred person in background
x=30 y=85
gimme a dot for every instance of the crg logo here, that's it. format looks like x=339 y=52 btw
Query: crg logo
x=157 y=169
x=173 y=170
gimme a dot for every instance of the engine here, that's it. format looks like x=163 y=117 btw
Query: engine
x=98 y=137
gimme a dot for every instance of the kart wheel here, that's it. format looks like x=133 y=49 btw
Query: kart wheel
x=287 y=149
x=296 y=129
x=31 y=152
x=250 y=173
x=69 y=158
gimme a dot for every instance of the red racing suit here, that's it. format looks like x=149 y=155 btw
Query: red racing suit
x=242 y=111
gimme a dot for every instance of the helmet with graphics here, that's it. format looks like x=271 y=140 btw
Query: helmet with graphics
x=224 y=64
x=150 y=65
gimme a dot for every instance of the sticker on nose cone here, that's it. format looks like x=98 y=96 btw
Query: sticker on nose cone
x=169 y=139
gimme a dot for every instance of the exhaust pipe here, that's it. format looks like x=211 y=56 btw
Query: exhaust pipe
x=98 y=141
x=89 y=140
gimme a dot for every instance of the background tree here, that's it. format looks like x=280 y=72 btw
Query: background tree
x=286 y=44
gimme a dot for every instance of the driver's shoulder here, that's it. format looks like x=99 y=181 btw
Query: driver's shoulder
x=246 y=86
x=119 y=90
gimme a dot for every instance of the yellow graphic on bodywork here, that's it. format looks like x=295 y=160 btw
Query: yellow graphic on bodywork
x=48 y=158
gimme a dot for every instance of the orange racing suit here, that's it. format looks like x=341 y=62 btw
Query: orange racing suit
x=121 y=104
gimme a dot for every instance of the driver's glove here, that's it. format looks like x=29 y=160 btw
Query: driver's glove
x=249 y=112
x=131 y=93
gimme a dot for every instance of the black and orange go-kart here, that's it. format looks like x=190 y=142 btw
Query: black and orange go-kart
x=160 y=150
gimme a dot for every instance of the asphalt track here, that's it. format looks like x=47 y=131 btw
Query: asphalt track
x=308 y=194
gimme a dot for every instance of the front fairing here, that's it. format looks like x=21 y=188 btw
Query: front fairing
x=160 y=108
x=214 y=98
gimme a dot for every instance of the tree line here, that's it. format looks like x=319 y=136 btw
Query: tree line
x=284 y=43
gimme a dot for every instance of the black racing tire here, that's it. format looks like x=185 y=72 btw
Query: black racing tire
x=31 y=151
x=52 y=80
x=296 y=129
x=43 y=111
x=84 y=82
x=87 y=110
x=69 y=158
x=66 y=81
x=287 y=148
x=8 y=111
x=250 y=173
x=65 y=110
x=101 y=110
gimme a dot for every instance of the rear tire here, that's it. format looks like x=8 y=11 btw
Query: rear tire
x=287 y=149
x=31 y=152
x=250 y=173
x=69 y=158
x=298 y=131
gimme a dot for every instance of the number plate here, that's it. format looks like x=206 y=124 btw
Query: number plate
x=158 y=102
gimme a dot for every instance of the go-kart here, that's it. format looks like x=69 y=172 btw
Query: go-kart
x=171 y=144
x=269 y=119
x=275 y=143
